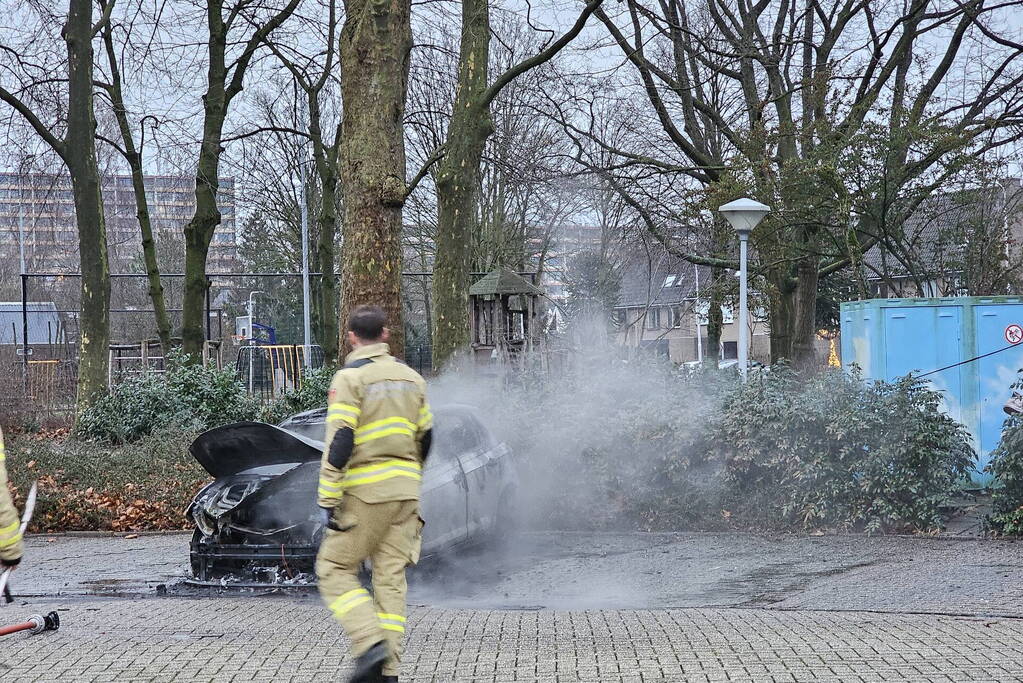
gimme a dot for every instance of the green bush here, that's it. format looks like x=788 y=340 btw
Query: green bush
x=1007 y=467
x=187 y=397
x=311 y=394
x=831 y=450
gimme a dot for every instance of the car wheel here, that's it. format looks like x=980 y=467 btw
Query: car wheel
x=196 y=537
x=506 y=520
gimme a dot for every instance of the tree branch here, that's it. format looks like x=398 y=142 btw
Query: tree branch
x=491 y=93
x=242 y=63
x=267 y=129
x=437 y=155
x=58 y=145
x=108 y=8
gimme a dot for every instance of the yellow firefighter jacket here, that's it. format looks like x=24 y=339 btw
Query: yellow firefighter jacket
x=383 y=401
x=10 y=524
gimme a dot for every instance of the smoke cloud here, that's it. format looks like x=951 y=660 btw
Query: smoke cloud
x=601 y=440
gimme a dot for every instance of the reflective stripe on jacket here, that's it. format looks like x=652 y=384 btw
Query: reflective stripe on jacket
x=10 y=523
x=384 y=403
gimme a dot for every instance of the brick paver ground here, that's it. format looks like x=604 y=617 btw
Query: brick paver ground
x=291 y=639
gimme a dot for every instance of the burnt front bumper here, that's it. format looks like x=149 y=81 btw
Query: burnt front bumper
x=257 y=564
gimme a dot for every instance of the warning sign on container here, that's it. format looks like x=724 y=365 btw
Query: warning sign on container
x=1014 y=334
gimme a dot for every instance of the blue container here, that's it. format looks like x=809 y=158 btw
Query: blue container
x=889 y=338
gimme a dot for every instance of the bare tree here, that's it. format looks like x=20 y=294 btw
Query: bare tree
x=132 y=154
x=788 y=101
x=77 y=148
x=458 y=174
x=225 y=81
x=313 y=73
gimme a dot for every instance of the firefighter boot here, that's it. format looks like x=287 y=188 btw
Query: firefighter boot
x=369 y=665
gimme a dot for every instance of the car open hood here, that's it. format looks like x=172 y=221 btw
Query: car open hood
x=241 y=446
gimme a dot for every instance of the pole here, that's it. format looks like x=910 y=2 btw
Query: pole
x=209 y=284
x=699 y=327
x=743 y=314
x=21 y=236
x=250 y=342
x=306 y=317
x=24 y=333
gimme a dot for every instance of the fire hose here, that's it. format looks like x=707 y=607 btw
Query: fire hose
x=35 y=624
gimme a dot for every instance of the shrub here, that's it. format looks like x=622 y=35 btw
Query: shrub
x=830 y=450
x=187 y=397
x=91 y=486
x=1007 y=467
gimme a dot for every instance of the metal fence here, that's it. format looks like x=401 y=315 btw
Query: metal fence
x=39 y=334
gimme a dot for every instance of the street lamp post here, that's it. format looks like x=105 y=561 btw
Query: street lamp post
x=743 y=215
x=252 y=337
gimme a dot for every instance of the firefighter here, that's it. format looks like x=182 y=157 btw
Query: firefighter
x=379 y=430
x=10 y=524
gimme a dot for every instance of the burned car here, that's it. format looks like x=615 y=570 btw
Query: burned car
x=258 y=522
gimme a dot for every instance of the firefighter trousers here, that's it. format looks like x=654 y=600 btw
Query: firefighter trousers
x=389 y=535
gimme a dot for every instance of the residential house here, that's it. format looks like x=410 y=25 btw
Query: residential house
x=957 y=243
x=663 y=306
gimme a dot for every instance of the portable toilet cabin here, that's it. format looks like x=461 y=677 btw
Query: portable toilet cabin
x=969 y=348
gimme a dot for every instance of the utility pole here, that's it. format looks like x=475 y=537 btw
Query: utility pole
x=306 y=296
x=699 y=325
x=304 y=201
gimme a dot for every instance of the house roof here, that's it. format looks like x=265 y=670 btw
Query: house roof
x=502 y=282
x=932 y=238
x=656 y=278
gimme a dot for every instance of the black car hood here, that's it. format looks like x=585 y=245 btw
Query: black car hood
x=241 y=446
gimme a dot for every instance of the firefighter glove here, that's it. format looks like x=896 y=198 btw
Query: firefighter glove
x=327 y=518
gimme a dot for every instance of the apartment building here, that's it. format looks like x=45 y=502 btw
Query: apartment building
x=37 y=220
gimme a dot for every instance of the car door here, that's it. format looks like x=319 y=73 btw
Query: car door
x=484 y=486
x=443 y=500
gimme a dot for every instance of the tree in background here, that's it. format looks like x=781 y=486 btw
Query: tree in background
x=827 y=111
x=312 y=69
x=132 y=154
x=224 y=83
x=77 y=148
x=458 y=174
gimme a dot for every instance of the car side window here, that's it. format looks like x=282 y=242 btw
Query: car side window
x=454 y=434
x=466 y=435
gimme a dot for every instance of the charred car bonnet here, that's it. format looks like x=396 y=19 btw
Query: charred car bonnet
x=258 y=523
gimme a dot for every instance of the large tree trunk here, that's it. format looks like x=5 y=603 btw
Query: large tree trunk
x=374 y=54
x=134 y=159
x=199 y=230
x=457 y=180
x=80 y=156
x=804 y=332
x=793 y=314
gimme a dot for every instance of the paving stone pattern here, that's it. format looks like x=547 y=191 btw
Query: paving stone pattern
x=274 y=638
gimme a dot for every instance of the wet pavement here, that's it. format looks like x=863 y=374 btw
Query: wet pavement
x=587 y=571
x=551 y=607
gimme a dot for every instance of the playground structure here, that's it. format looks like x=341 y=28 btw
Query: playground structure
x=504 y=309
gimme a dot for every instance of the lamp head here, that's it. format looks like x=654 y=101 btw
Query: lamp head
x=744 y=215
